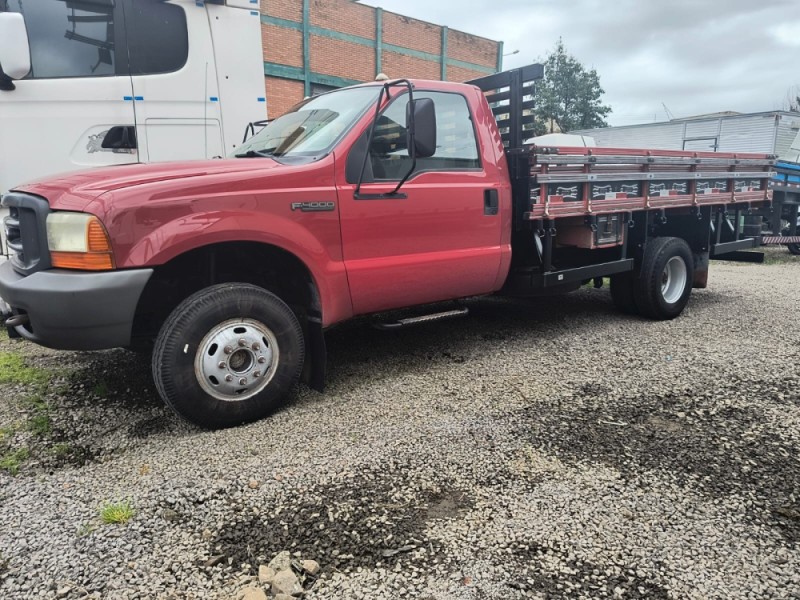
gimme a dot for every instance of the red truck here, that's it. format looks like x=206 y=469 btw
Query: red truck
x=359 y=201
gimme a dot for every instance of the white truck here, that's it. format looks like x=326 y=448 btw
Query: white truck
x=87 y=83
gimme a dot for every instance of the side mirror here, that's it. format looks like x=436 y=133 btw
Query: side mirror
x=421 y=127
x=15 y=53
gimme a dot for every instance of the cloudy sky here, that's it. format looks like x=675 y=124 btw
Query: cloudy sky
x=695 y=56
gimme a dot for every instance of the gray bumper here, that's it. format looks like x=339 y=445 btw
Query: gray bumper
x=72 y=310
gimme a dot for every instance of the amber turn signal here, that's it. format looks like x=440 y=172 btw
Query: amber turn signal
x=78 y=241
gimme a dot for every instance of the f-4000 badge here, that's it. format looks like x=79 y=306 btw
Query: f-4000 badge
x=314 y=206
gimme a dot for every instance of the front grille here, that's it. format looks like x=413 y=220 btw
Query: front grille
x=13 y=235
x=25 y=231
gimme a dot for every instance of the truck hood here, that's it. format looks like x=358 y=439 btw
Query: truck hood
x=75 y=191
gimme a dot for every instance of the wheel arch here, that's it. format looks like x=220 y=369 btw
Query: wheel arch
x=262 y=264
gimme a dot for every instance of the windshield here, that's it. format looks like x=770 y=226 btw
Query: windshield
x=312 y=127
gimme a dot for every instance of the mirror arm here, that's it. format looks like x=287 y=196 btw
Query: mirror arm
x=412 y=134
x=393 y=194
x=372 y=127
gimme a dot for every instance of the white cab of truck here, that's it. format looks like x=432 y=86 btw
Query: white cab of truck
x=89 y=83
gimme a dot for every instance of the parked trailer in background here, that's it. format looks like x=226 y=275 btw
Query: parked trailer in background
x=108 y=82
x=364 y=200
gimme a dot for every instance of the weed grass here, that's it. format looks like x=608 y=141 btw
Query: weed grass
x=12 y=460
x=14 y=370
x=116 y=513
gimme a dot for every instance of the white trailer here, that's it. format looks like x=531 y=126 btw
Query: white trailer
x=88 y=83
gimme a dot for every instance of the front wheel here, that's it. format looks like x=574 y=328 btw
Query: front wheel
x=665 y=280
x=227 y=355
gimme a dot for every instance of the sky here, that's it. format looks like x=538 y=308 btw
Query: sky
x=694 y=56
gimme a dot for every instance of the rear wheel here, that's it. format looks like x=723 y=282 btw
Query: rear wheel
x=665 y=281
x=794 y=249
x=227 y=355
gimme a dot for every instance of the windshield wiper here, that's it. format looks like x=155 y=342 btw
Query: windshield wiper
x=254 y=154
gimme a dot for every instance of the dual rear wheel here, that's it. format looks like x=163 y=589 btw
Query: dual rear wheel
x=661 y=288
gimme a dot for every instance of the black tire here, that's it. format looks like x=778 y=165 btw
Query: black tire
x=622 y=293
x=648 y=289
x=194 y=334
x=794 y=249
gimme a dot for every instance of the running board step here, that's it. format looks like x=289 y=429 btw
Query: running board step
x=409 y=321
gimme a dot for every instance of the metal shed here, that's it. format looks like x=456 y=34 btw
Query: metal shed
x=767 y=132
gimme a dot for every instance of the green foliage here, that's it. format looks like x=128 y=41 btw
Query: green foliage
x=569 y=97
x=40 y=424
x=116 y=513
x=100 y=390
x=14 y=370
x=12 y=460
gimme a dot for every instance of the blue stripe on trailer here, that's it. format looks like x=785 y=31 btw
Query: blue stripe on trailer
x=261 y=99
x=128 y=98
x=214 y=99
x=139 y=98
x=790 y=166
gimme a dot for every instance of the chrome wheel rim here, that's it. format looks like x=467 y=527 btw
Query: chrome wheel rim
x=236 y=360
x=673 y=280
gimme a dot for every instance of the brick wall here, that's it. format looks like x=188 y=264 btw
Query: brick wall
x=291 y=10
x=282 y=94
x=335 y=56
x=344 y=16
x=470 y=48
x=342 y=59
x=411 y=33
x=281 y=45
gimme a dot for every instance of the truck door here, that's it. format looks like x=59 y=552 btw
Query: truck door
x=176 y=97
x=442 y=238
x=75 y=108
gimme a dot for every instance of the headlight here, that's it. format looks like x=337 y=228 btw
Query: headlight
x=78 y=241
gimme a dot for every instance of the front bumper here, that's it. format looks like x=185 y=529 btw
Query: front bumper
x=71 y=310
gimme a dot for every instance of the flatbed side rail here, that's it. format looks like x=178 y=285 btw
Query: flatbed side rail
x=570 y=182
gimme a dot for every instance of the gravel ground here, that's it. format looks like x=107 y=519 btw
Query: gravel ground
x=538 y=449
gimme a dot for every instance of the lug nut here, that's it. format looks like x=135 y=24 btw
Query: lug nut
x=256 y=347
x=243 y=381
x=243 y=342
x=228 y=378
x=262 y=360
x=228 y=349
x=257 y=374
x=222 y=364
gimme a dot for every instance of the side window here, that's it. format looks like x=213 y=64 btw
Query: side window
x=158 y=39
x=69 y=39
x=456 y=150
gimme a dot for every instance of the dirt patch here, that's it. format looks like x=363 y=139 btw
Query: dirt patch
x=553 y=573
x=697 y=438
x=371 y=520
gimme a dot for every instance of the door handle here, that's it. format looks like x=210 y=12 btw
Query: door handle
x=491 y=203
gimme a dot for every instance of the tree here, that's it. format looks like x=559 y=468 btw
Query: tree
x=569 y=96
